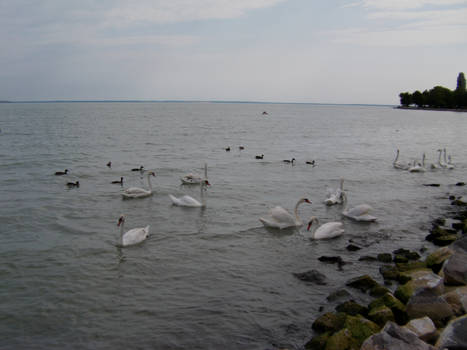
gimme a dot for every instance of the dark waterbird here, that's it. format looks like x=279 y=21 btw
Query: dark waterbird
x=109 y=164
x=227 y=149
x=118 y=181
x=61 y=172
x=289 y=161
x=141 y=168
x=311 y=162
x=260 y=157
x=72 y=184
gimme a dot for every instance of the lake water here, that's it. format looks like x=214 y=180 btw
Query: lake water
x=204 y=279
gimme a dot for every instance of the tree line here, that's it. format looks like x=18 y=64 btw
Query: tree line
x=438 y=97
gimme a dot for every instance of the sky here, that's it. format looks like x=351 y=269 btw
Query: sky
x=305 y=51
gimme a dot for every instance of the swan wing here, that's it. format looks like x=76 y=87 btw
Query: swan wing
x=135 y=236
x=135 y=190
x=281 y=215
x=270 y=222
x=175 y=200
x=189 y=201
x=366 y=218
x=329 y=230
x=359 y=210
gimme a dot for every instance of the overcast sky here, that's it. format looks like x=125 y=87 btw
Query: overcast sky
x=322 y=51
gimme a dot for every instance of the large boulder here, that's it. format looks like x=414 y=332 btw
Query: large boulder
x=454 y=336
x=352 y=308
x=329 y=322
x=436 y=259
x=424 y=328
x=427 y=303
x=455 y=269
x=394 y=304
x=311 y=276
x=420 y=280
x=380 y=315
x=457 y=298
x=363 y=283
x=393 y=337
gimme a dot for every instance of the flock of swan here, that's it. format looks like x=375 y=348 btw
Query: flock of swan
x=420 y=167
x=278 y=217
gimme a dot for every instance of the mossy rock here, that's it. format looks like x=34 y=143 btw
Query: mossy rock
x=397 y=307
x=384 y=257
x=318 y=342
x=409 y=266
x=329 y=322
x=421 y=279
x=378 y=291
x=341 y=340
x=363 y=283
x=436 y=259
x=445 y=240
x=399 y=258
x=352 y=308
x=380 y=315
x=404 y=292
x=360 y=328
x=438 y=232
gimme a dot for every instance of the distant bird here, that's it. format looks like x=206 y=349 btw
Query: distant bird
x=141 y=168
x=398 y=165
x=109 y=164
x=260 y=157
x=311 y=162
x=61 y=172
x=118 y=181
x=265 y=113
x=227 y=149
x=241 y=148
x=289 y=161
x=73 y=184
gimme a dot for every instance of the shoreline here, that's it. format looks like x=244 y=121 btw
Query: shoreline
x=425 y=307
x=461 y=110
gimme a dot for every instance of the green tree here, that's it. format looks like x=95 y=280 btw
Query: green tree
x=406 y=99
x=460 y=83
x=441 y=97
x=418 y=99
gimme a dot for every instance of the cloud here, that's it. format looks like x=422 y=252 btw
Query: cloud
x=403 y=4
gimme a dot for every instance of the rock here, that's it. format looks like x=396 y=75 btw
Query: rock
x=378 y=291
x=341 y=340
x=459 y=202
x=384 y=257
x=432 y=185
x=427 y=303
x=396 y=306
x=407 y=254
x=393 y=337
x=332 y=260
x=455 y=269
x=339 y=294
x=423 y=327
x=318 y=342
x=352 y=308
x=380 y=315
x=362 y=283
x=360 y=328
x=353 y=247
x=367 y=258
x=460 y=184
x=439 y=222
x=400 y=259
x=454 y=336
x=457 y=298
x=420 y=280
x=408 y=266
x=445 y=240
x=436 y=259
x=312 y=276
x=460 y=245
x=389 y=272
x=329 y=322
x=437 y=232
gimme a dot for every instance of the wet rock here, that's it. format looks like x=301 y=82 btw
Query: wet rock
x=384 y=257
x=341 y=340
x=445 y=240
x=396 y=306
x=400 y=259
x=454 y=336
x=457 y=298
x=329 y=322
x=389 y=272
x=332 y=260
x=407 y=254
x=459 y=202
x=421 y=280
x=367 y=258
x=356 y=330
x=427 y=303
x=339 y=294
x=352 y=308
x=362 y=283
x=436 y=259
x=460 y=245
x=378 y=291
x=432 y=185
x=441 y=236
x=460 y=184
x=410 y=266
x=353 y=247
x=439 y=222
x=380 y=315
x=424 y=328
x=311 y=276
x=318 y=342
x=455 y=269
x=393 y=337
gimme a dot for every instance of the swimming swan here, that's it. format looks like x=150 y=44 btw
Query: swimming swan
x=188 y=201
x=136 y=192
x=418 y=168
x=335 y=196
x=133 y=236
x=325 y=231
x=397 y=165
x=195 y=179
x=358 y=213
x=281 y=218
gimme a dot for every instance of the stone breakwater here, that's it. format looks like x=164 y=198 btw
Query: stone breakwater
x=422 y=304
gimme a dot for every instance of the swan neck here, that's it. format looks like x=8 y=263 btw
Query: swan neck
x=149 y=182
x=121 y=232
x=297 y=218
x=397 y=157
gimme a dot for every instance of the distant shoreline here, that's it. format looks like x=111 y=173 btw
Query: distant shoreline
x=433 y=109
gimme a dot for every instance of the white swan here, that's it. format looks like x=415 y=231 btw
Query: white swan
x=397 y=165
x=281 y=218
x=358 y=213
x=188 y=201
x=136 y=192
x=195 y=179
x=417 y=167
x=335 y=196
x=133 y=236
x=447 y=163
x=325 y=231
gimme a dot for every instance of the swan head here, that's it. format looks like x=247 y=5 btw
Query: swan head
x=304 y=200
x=311 y=221
x=152 y=173
x=206 y=183
x=121 y=220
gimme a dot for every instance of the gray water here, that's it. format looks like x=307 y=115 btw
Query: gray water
x=204 y=279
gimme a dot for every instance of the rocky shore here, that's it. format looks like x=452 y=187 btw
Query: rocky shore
x=422 y=304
